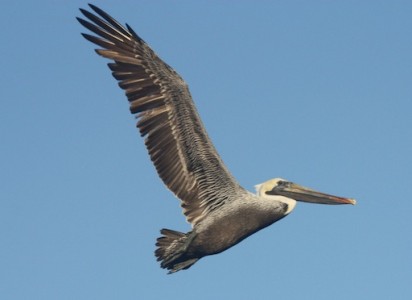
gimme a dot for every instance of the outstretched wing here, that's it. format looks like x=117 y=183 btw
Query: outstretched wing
x=175 y=137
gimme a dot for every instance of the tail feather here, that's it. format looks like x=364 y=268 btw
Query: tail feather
x=171 y=251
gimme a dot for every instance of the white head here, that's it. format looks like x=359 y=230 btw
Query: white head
x=267 y=186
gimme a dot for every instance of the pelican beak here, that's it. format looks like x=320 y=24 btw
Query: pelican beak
x=304 y=194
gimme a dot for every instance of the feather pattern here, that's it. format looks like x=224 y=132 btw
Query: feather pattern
x=177 y=142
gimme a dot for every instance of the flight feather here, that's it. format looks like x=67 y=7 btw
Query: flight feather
x=177 y=142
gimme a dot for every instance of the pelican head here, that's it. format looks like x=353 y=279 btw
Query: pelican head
x=293 y=191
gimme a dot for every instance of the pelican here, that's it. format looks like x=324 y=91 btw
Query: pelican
x=221 y=212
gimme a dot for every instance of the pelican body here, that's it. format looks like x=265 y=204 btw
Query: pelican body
x=221 y=212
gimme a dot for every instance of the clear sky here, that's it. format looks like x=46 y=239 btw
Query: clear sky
x=317 y=92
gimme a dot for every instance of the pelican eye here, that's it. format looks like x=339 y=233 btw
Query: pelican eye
x=279 y=187
x=283 y=184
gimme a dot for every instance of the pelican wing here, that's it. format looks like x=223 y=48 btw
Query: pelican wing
x=175 y=137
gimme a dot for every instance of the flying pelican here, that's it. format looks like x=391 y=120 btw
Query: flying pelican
x=221 y=212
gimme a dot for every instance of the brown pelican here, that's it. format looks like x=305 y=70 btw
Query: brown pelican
x=221 y=212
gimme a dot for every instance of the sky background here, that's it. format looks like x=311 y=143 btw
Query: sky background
x=317 y=92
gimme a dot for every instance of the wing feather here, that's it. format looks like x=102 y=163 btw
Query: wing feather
x=177 y=142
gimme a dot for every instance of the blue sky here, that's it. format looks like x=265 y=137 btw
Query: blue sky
x=318 y=92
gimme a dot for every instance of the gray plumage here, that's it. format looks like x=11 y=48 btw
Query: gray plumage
x=220 y=211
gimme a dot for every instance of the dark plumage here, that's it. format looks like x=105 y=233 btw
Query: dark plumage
x=221 y=212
